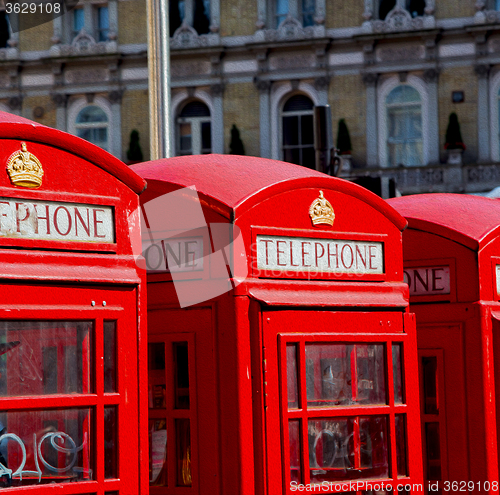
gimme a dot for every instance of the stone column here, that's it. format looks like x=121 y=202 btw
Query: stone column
x=188 y=12
x=214 y=16
x=88 y=15
x=321 y=84
x=261 y=14
x=61 y=101
x=295 y=9
x=431 y=77
x=264 y=88
x=483 y=113
x=115 y=128
x=370 y=81
x=217 y=91
x=113 y=19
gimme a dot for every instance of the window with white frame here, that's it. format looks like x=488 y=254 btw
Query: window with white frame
x=194 y=129
x=195 y=13
x=4 y=29
x=404 y=127
x=297 y=131
x=94 y=18
x=92 y=124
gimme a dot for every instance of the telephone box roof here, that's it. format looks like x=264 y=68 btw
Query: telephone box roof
x=469 y=220
x=232 y=184
x=15 y=127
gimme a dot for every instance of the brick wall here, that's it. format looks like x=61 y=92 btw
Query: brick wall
x=238 y=17
x=342 y=14
x=45 y=102
x=347 y=98
x=132 y=22
x=135 y=115
x=37 y=37
x=241 y=107
x=459 y=79
x=453 y=8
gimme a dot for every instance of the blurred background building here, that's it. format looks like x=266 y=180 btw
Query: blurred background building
x=245 y=75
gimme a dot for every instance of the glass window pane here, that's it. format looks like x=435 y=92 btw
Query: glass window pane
x=78 y=20
x=329 y=368
x=55 y=446
x=308 y=158
x=370 y=374
x=292 y=155
x=291 y=375
x=181 y=373
x=374 y=456
x=401 y=444
x=185 y=137
x=429 y=370
x=156 y=375
x=290 y=131
x=294 y=439
x=331 y=449
x=307 y=129
x=110 y=442
x=109 y=356
x=183 y=443
x=397 y=370
x=103 y=19
x=206 y=137
x=340 y=451
x=433 y=451
x=158 y=452
x=45 y=357
x=91 y=114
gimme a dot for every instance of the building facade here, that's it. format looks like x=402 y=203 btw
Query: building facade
x=394 y=70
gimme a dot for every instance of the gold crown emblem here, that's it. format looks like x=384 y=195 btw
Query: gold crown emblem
x=321 y=211
x=24 y=168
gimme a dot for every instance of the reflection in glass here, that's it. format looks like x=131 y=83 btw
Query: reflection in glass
x=294 y=439
x=291 y=374
x=45 y=357
x=109 y=356
x=330 y=378
x=181 y=374
x=110 y=442
x=340 y=451
x=397 y=373
x=158 y=452
x=55 y=446
x=401 y=444
x=183 y=442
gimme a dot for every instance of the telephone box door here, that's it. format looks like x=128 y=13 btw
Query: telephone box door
x=334 y=381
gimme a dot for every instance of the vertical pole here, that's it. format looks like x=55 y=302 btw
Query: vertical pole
x=159 y=79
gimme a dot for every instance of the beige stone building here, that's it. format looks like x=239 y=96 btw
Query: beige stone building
x=393 y=69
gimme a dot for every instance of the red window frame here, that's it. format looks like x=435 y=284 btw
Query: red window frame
x=79 y=304
x=350 y=334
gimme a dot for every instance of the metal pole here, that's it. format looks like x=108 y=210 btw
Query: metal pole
x=159 y=79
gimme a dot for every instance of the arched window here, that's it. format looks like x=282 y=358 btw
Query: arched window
x=297 y=131
x=404 y=132
x=194 y=131
x=92 y=124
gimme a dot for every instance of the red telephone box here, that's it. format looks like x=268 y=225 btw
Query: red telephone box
x=452 y=266
x=281 y=351
x=72 y=419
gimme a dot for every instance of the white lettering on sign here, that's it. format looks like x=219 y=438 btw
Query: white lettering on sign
x=428 y=281
x=174 y=254
x=56 y=221
x=302 y=254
